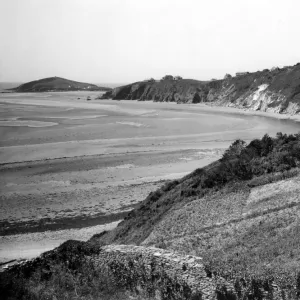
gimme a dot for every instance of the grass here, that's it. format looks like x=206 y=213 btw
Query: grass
x=243 y=235
x=66 y=273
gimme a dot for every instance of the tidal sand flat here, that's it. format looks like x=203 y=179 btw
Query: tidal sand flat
x=99 y=159
x=27 y=246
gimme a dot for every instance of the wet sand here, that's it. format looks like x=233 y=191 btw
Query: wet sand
x=27 y=246
x=100 y=159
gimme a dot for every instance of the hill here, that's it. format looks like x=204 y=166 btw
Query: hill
x=239 y=216
x=57 y=84
x=276 y=90
x=168 y=90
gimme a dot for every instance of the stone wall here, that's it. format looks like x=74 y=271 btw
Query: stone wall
x=157 y=274
x=140 y=273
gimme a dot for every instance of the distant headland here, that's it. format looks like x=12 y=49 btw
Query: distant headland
x=276 y=90
x=56 y=84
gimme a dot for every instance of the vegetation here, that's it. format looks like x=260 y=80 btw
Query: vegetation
x=241 y=214
x=65 y=273
x=247 y=230
x=150 y=80
x=178 y=78
x=168 y=77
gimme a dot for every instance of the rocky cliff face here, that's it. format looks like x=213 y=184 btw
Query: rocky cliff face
x=276 y=90
x=181 y=91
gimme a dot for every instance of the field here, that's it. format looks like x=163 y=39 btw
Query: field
x=71 y=167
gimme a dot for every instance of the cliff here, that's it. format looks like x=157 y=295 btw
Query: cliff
x=181 y=91
x=276 y=90
x=57 y=84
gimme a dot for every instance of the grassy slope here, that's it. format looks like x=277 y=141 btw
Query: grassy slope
x=247 y=230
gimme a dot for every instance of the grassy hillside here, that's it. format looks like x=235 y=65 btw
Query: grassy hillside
x=239 y=230
x=57 y=84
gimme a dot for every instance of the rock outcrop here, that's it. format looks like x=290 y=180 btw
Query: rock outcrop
x=276 y=90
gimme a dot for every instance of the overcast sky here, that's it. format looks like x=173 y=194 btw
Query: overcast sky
x=128 y=40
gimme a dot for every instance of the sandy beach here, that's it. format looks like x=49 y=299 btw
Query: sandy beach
x=71 y=167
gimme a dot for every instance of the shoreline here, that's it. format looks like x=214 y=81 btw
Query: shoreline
x=78 y=222
x=31 y=245
x=209 y=106
x=246 y=111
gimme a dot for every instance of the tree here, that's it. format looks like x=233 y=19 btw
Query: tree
x=150 y=80
x=267 y=145
x=177 y=78
x=168 y=77
x=234 y=150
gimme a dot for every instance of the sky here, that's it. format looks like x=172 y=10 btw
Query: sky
x=121 y=41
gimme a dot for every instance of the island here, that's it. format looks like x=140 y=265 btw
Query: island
x=56 y=84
